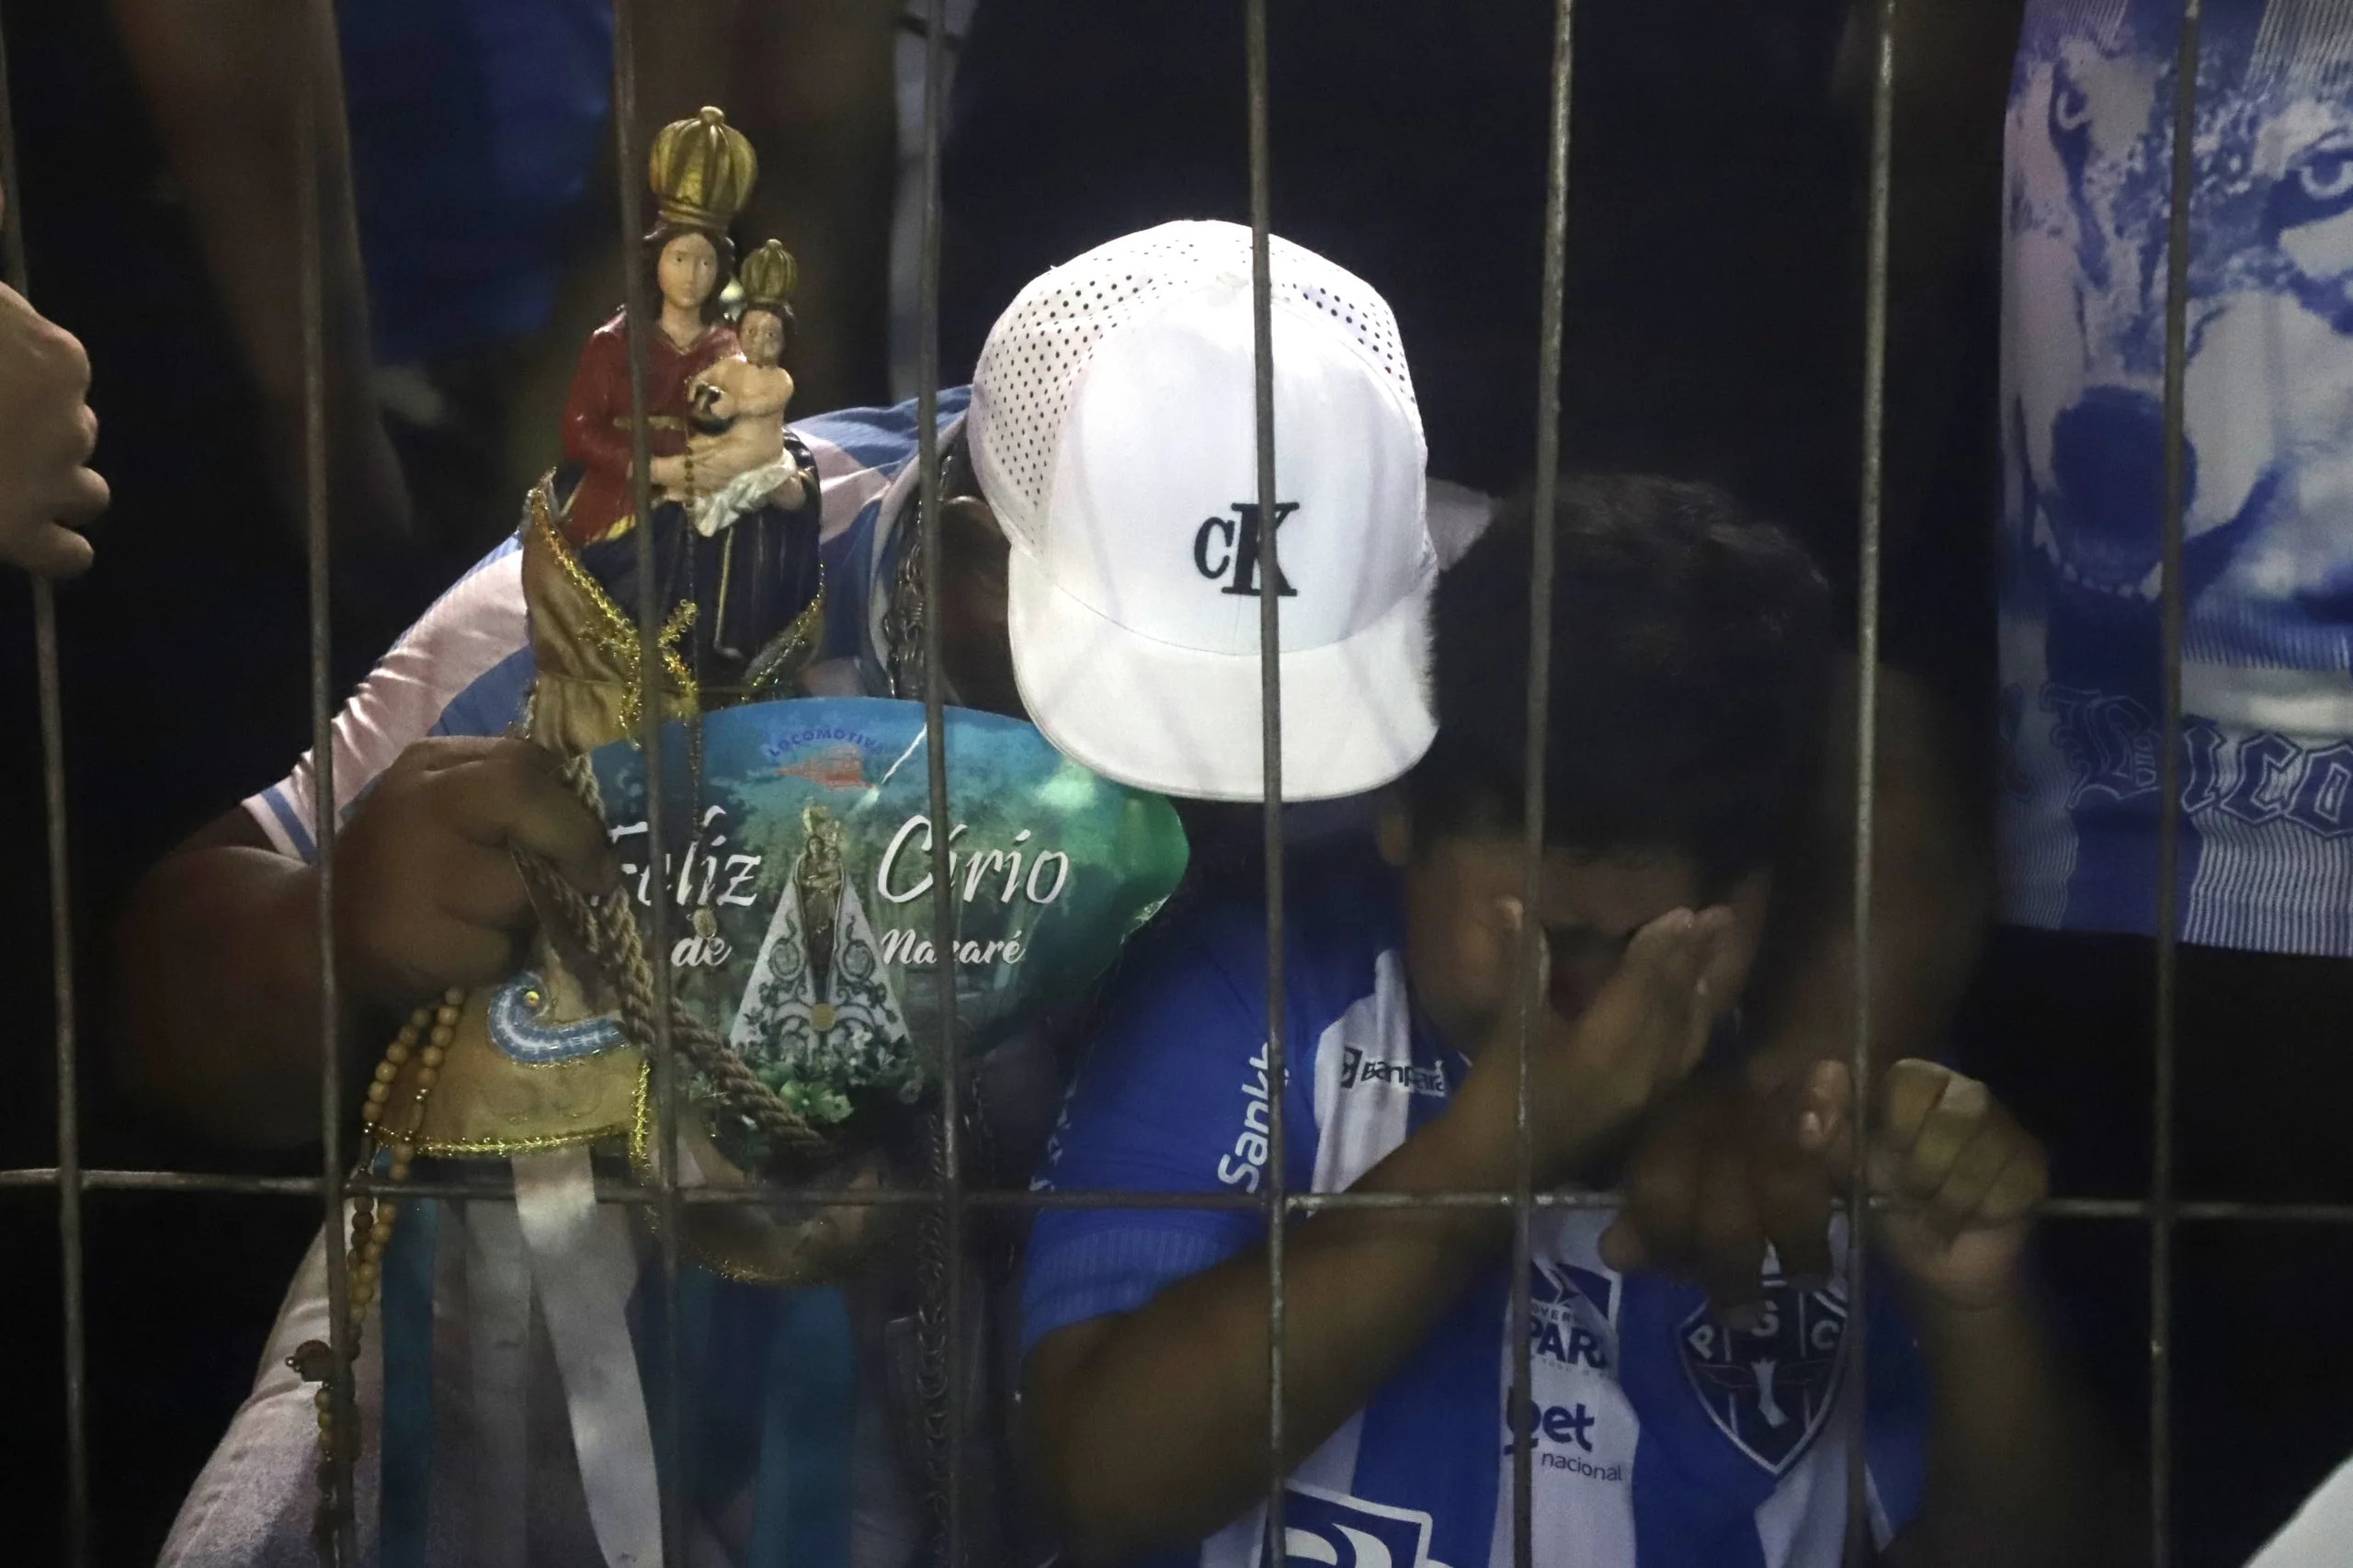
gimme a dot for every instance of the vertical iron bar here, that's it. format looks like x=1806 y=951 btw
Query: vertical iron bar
x=934 y=729
x=69 y=1115
x=635 y=325
x=312 y=242
x=1859 y=1545
x=61 y=936
x=1271 y=749
x=1539 y=709
x=2160 y=1171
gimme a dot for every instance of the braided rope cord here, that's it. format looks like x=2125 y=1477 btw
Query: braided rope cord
x=608 y=931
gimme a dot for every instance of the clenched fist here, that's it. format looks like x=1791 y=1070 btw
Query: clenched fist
x=1961 y=1176
x=47 y=434
x=427 y=895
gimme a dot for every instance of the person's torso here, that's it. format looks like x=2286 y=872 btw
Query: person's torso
x=2266 y=759
x=1658 y=1436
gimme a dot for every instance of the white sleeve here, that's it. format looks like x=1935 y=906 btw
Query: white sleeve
x=463 y=669
x=2318 y=1535
x=846 y=481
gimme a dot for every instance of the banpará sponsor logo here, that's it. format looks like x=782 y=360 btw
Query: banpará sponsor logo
x=1569 y=1320
x=1355 y=1068
x=1554 y=1332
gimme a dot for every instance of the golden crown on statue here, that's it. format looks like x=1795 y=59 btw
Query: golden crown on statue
x=702 y=171
x=768 y=274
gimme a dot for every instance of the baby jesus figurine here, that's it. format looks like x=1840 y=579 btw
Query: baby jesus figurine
x=737 y=460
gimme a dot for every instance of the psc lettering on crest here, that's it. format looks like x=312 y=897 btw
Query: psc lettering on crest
x=1768 y=1389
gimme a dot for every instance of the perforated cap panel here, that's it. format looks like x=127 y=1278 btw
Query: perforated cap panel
x=1039 y=350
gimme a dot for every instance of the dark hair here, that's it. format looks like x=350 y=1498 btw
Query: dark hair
x=1690 y=665
x=660 y=235
x=783 y=313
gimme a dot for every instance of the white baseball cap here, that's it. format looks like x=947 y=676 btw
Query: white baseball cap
x=1113 y=428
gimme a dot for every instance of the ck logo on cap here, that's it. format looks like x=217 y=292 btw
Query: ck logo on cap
x=1222 y=546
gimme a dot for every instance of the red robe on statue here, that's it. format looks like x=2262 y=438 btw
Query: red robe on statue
x=596 y=417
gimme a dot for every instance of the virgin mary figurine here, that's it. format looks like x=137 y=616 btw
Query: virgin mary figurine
x=752 y=587
x=702 y=174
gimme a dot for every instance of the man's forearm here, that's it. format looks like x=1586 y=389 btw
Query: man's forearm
x=2015 y=1466
x=1184 y=1379
x=222 y=83
x=1930 y=894
x=217 y=977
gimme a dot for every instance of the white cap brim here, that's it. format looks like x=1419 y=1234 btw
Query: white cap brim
x=1356 y=714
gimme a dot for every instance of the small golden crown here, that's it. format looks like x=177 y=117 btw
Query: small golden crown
x=770 y=274
x=702 y=171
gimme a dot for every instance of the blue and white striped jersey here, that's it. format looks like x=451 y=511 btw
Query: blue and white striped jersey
x=2266 y=750
x=465 y=667
x=1662 y=1440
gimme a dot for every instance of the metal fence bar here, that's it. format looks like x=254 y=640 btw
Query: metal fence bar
x=935 y=728
x=70 y=1183
x=630 y=1194
x=60 y=938
x=341 y=1407
x=653 y=709
x=1270 y=752
x=1542 y=547
x=2161 y=1153
x=1860 y=1548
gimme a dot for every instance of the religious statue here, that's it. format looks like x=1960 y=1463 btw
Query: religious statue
x=800 y=1061
x=735 y=506
x=702 y=173
x=542 y=1061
